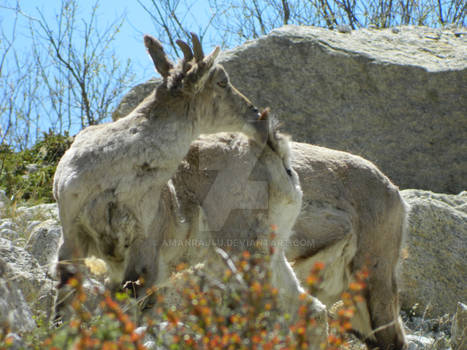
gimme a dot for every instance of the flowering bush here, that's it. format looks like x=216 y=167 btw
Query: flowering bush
x=113 y=329
x=238 y=310
x=241 y=311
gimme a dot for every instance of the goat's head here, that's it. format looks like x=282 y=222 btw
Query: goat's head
x=285 y=194
x=205 y=86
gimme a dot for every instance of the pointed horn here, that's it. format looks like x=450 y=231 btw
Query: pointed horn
x=187 y=54
x=159 y=58
x=197 y=48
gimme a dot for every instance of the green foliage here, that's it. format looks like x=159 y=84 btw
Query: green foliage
x=28 y=175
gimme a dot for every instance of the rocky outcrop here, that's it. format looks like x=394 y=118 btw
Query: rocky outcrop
x=434 y=270
x=38 y=213
x=395 y=97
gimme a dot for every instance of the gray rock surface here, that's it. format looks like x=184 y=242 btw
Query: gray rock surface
x=423 y=342
x=134 y=97
x=39 y=212
x=15 y=313
x=418 y=342
x=31 y=279
x=44 y=241
x=94 y=290
x=434 y=271
x=438 y=328
x=8 y=229
x=395 y=97
x=459 y=328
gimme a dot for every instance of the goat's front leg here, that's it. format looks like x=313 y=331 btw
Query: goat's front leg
x=285 y=280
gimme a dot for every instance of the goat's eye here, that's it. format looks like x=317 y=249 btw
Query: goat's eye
x=222 y=83
x=289 y=172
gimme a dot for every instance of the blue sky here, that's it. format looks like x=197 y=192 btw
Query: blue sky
x=128 y=43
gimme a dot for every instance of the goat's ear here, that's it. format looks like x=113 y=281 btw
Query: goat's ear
x=209 y=59
x=159 y=58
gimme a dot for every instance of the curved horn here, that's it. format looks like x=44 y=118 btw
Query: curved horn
x=187 y=54
x=197 y=48
x=159 y=58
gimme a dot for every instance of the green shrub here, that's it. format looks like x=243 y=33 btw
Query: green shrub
x=28 y=175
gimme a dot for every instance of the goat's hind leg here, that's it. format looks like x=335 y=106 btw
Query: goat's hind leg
x=383 y=298
x=68 y=263
x=384 y=311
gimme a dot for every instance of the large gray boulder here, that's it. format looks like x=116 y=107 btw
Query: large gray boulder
x=434 y=271
x=395 y=97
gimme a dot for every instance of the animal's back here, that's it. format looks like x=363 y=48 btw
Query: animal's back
x=341 y=192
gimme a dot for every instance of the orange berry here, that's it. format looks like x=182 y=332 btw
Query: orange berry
x=358 y=298
x=312 y=279
x=318 y=266
x=356 y=286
